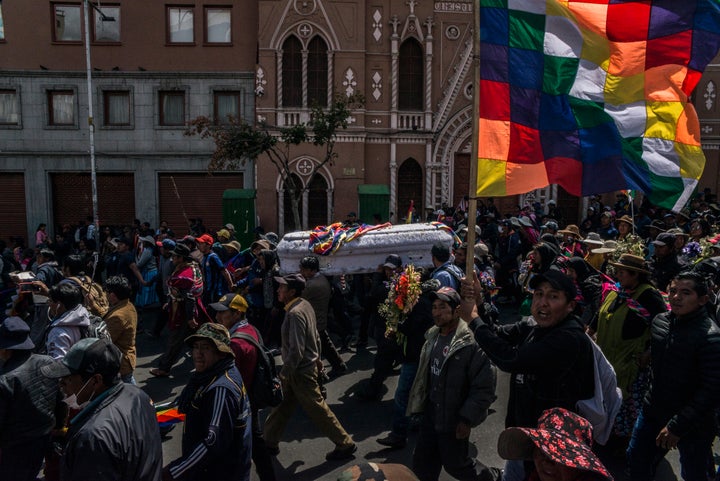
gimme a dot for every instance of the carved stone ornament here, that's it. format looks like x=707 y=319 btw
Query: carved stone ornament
x=304 y=30
x=305 y=7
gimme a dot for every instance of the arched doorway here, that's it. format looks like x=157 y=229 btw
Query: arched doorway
x=317 y=213
x=289 y=223
x=410 y=187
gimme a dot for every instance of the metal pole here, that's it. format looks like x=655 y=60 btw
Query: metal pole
x=472 y=197
x=91 y=127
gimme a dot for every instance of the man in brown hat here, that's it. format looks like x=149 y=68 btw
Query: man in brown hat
x=217 y=438
x=300 y=371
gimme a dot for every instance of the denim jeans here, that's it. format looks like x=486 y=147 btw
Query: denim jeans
x=128 y=379
x=400 y=421
x=644 y=455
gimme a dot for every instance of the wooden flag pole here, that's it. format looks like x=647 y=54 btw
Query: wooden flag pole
x=472 y=197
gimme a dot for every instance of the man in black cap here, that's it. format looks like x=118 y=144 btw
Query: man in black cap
x=300 y=371
x=453 y=390
x=27 y=403
x=548 y=355
x=388 y=350
x=115 y=434
x=665 y=265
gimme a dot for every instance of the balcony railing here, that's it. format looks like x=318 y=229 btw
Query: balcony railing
x=411 y=121
x=290 y=117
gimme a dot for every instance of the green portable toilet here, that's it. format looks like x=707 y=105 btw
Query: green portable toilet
x=374 y=199
x=239 y=210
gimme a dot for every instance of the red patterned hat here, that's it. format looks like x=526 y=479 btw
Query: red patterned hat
x=565 y=437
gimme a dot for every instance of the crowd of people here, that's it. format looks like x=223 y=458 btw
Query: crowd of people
x=634 y=288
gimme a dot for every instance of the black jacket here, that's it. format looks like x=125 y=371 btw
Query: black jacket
x=27 y=399
x=685 y=386
x=664 y=270
x=550 y=367
x=115 y=438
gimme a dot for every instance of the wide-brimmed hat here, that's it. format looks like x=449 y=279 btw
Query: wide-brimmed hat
x=261 y=243
x=233 y=245
x=216 y=333
x=572 y=230
x=223 y=234
x=676 y=231
x=563 y=436
x=631 y=262
x=15 y=335
x=607 y=247
x=657 y=224
x=525 y=221
x=627 y=219
x=593 y=239
x=181 y=250
x=480 y=250
x=147 y=238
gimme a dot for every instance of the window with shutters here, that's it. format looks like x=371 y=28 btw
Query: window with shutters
x=292 y=80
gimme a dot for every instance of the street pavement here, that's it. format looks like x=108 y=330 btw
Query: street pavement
x=303 y=449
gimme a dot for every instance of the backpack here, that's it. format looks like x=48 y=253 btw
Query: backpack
x=97 y=328
x=601 y=409
x=96 y=300
x=266 y=390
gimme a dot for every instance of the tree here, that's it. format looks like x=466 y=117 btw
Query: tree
x=238 y=141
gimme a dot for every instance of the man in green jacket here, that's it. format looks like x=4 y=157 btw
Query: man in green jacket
x=453 y=389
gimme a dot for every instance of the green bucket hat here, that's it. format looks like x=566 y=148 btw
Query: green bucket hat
x=212 y=332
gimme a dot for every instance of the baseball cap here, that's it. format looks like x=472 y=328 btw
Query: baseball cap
x=557 y=280
x=291 y=280
x=447 y=294
x=205 y=239
x=393 y=261
x=86 y=357
x=234 y=302
x=664 y=239
x=168 y=243
x=15 y=335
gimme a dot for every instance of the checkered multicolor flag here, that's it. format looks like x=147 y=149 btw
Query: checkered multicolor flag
x=593 y=95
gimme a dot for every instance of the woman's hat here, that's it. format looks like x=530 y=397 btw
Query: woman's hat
x=607 y=247
x=572 y=230
x=233 y=245
x=216 y=333
x=181 y=250
x=631 y=262
x=593 y=239
x=627 y=219
x=563 y=436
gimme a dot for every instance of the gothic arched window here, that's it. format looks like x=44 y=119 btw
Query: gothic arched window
x=317 y=72
x=292 y=80
x=410 y=87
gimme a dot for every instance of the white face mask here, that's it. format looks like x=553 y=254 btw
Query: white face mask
x=71 y=400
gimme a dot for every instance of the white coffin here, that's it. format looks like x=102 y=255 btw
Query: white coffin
x=412 y=242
